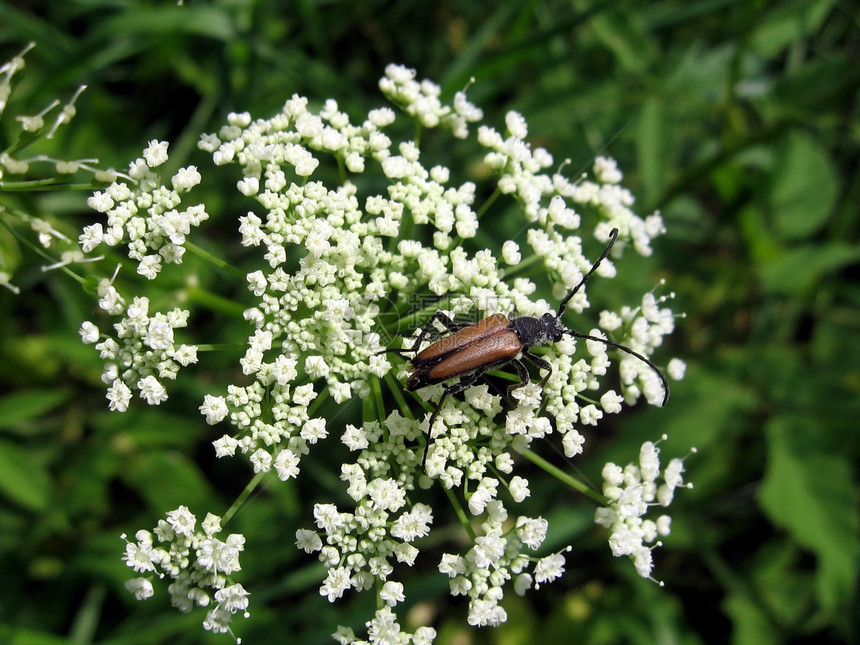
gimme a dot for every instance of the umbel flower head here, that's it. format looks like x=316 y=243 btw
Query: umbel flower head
x=198 y=562
x=343 y=268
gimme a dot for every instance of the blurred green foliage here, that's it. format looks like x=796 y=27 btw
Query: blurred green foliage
x=738 y=119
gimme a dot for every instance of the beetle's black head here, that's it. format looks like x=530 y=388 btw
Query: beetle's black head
x=554 y=327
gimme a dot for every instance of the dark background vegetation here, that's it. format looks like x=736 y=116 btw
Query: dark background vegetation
x=737 y=119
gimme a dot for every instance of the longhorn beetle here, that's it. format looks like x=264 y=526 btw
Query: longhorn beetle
x=472 y=349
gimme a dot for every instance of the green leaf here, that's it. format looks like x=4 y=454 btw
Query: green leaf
x=200 y=21
x=749 y=625
x=167 y=480
x=818 y=82
x=22 y=478
x=10 y=249
x=622 y=33
x=29 y=404
x=789 y=23
x=796 y=271
x=652 y=143
x=770 y=594
x=703 y=412
x=804 y=188
x=26 y=636
x=808 y=492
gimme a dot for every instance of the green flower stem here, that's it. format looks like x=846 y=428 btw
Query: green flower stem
x=379 y=602
x=490 y=200
x=564 y=477
x=421 y=314
x=243 y=497
x=214 y=259
x=51 y=183
x=341 y=169
x=217 y=347
x=524 y=264
x=397 y=390
x=461 y=513
x=209 y=300
x=367 y=409
x=39 y=251
x=318 y=401
x=378 y=410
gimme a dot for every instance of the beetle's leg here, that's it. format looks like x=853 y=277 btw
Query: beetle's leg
x=427 y=333
x=542 y=363
x=433 y=416
x=443 y=318
x=523 y=372
x=463 y=383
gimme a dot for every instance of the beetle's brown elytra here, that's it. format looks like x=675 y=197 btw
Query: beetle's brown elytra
x=471 y=350
x=485 y=344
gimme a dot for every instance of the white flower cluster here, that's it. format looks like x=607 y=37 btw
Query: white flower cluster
x=343 y=266
x=325 y=317
x=421 y=101
x=145 y=214
x=495 y=558
x=642 y=329
x=199 y=564
x=361 y=546
x=630 y=492
x=144 y=351
x=383 y=629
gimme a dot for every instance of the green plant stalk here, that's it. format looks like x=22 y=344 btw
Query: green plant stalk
x=461 y=513
x=215 y=302
x=242 y=498
x=36 y=249
x=214 y=259
x=564 y=477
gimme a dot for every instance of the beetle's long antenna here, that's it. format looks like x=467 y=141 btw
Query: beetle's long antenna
x=613 y=235
x=642 y=358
